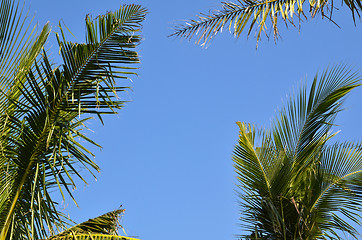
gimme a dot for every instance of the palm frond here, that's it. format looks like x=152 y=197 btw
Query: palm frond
x=263 y=16
x=92 y=68
x=303 y=126
x=341 y=189
x=93 y=236
x=18 y=46
x=251 y=165
x=101 y=228
x=256 y=165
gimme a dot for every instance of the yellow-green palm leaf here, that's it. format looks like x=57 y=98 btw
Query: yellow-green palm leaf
x=261 y=16
x=100 y=228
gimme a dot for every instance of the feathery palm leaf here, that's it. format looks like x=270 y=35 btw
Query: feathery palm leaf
x=101 y=228
x=293 y=184
x=263 y=16
x=47 y=107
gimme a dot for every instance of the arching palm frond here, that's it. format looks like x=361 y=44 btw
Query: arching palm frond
x=104 y=227
x=47 y=110
x=303 y=126
x=263 y=16
x=340 y=188
x=293 y=184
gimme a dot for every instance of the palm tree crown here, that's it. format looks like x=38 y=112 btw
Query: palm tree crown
x=294 y=183
x=44 y=107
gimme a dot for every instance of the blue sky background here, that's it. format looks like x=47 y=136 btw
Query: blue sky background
x=167 y=155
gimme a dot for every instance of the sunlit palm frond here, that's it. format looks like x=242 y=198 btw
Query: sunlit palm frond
x=303 y=125
x=259 y=15
x=93 y=236
x=101 y=228
x=46 y=113
x=256 y=163
x=247 y=154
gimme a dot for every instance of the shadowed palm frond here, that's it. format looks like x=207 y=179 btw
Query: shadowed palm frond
x=262 y=16
x=292 y=183
x=341 y=188
x=45 y=112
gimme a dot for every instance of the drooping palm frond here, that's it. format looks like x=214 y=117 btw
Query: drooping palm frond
x=259 y=15
x=101 y=228
x=292 y=183
x=46 y=111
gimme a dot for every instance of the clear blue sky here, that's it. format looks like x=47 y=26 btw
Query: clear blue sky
x=167 y=155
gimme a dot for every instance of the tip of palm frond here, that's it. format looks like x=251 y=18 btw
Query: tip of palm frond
x=106 y=224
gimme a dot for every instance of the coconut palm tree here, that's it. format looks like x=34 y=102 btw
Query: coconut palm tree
x=261 y=16
x=44 y=107
x=295 y=181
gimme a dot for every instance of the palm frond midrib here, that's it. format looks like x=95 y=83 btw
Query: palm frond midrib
x=309 y=117
x=95 y=52
x=209 y=20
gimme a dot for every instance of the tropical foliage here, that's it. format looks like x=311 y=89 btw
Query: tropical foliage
x=44 y=107
x=261 y=16
x=295 y=180
x=104 y=227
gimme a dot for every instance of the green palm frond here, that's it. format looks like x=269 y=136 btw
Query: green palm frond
x=257 y=164
x=341 y=188
x=93 y=236
x=263 y=16
x=101 y=228
x=19 y=47
x=94 y=66
x=45 y=111
x=293 y=184
x=303 y=126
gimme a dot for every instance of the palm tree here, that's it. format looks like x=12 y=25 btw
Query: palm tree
x=45 y=107
x=259 y=16
x=293 y=182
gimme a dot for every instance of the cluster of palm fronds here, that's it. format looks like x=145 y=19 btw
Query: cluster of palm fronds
x=258 y=15
x=295 y=184
x=44 y=107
